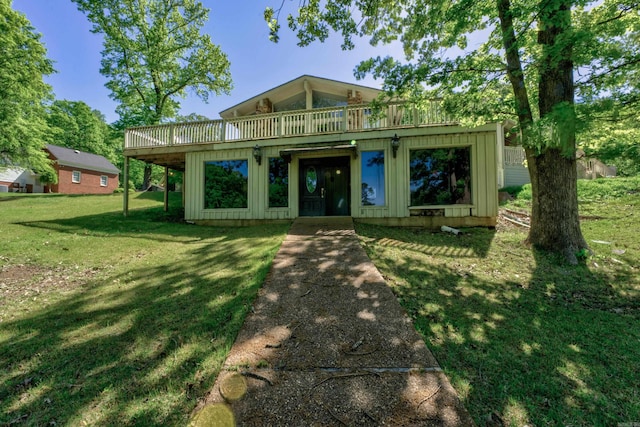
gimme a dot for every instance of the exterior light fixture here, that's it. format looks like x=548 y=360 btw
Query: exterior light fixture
x=257 y=154
x=395 y=144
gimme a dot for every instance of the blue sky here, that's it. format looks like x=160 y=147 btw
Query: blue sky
x=237 y=26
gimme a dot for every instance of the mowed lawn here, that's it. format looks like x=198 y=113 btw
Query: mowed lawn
x=525 y=339
x=113 y=321
x=106 y=320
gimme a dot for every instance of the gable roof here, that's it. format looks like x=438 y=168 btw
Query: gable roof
x=80 y=159
x=297 y=86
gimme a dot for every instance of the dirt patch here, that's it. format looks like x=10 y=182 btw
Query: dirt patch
x=20 y=283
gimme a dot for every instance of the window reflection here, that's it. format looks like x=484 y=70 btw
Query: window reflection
x=373 y=178
x=440 y=176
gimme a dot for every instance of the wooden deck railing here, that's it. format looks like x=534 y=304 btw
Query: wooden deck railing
x=514 y=156
x=287 y=124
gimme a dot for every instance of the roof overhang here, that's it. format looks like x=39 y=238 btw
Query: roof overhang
x=89 y=168
x=288 y=153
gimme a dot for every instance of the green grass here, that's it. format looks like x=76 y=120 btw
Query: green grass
x=106 y=320
x=126 y=321
x=520 y=334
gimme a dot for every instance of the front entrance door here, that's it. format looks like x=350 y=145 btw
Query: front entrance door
x=324 y=187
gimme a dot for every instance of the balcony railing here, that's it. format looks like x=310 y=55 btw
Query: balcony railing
x=287 y=124
x=514 y=156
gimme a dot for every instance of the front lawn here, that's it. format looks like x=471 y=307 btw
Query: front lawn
x=106 y=320
x=525 y=339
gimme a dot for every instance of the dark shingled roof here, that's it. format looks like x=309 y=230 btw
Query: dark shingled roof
x=80 y=159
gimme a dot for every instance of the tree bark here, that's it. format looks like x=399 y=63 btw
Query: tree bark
x=146 y=178
x=555 y=223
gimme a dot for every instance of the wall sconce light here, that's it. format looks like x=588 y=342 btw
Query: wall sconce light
x=257 y=154
x=395 y=144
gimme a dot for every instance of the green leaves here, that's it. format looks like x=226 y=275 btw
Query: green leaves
x=74 y=124
x=23 y=63
x=154 y=54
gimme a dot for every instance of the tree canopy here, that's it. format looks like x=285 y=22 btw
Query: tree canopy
x=531 y=61
x=23 y=64
x=74 y=124
x=154 y=54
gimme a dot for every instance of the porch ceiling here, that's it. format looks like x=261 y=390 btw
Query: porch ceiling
x=175 y=161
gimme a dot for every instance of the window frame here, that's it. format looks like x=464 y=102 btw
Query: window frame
x=247 y=182
x=105 y=179
x=287 y=165
x=385 y=178
x=75 y=180
x=472 y=183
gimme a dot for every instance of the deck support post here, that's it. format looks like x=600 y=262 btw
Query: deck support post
x=166 y=189
x=125 y=185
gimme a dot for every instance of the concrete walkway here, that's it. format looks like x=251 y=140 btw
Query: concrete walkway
x=328 y=344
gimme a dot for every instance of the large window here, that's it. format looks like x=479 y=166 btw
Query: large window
x=297 y=102
x=440 y=176
x=225 y=184
x=372 y=178
x=324 y=100
x=278 y=183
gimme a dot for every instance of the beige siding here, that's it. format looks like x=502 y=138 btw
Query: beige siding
x=258 y=193
x=484 y=177
x=516 y=175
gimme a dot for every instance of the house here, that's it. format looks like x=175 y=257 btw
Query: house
x=316 y=147
x=81 y=173
x=15 y=179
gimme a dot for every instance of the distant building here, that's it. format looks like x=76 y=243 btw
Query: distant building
x=78 y=173
x=82 y=173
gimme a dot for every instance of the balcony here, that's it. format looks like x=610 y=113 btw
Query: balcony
x=299 y=123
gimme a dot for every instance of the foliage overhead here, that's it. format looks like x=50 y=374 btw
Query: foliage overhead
x=23 y=63
x=459 y=51
x=490 y=61
x=154 y=53
x=73 y=124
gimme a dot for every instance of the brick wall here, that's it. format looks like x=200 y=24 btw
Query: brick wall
x=89 y=182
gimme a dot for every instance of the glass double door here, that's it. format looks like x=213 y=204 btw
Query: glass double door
x=324 y=187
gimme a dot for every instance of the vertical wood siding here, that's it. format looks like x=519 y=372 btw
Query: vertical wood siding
x=484 y=176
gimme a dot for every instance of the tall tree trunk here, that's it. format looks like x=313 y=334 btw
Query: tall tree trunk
x=555 y=223
x=146 y=178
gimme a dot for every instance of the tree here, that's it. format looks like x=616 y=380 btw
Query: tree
x=154 y=54
x=524 y=68
x=73 y=124
x=23 y=63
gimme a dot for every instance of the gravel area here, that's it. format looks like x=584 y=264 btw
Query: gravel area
x=328 y=344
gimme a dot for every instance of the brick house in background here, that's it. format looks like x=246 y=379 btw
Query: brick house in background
x=81 y=173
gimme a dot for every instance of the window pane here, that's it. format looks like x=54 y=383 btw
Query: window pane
x=372 y=178
x=103 y=180
x=75 y=176
x=225 y=184
x=297 y=102
x=323 y=100
x=440 y=176
x=278 y=183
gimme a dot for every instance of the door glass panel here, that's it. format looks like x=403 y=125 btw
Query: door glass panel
x=311 y=179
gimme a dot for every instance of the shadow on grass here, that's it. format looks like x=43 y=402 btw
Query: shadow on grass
x=148 y=223
x=135 y=348
x=524 y=340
